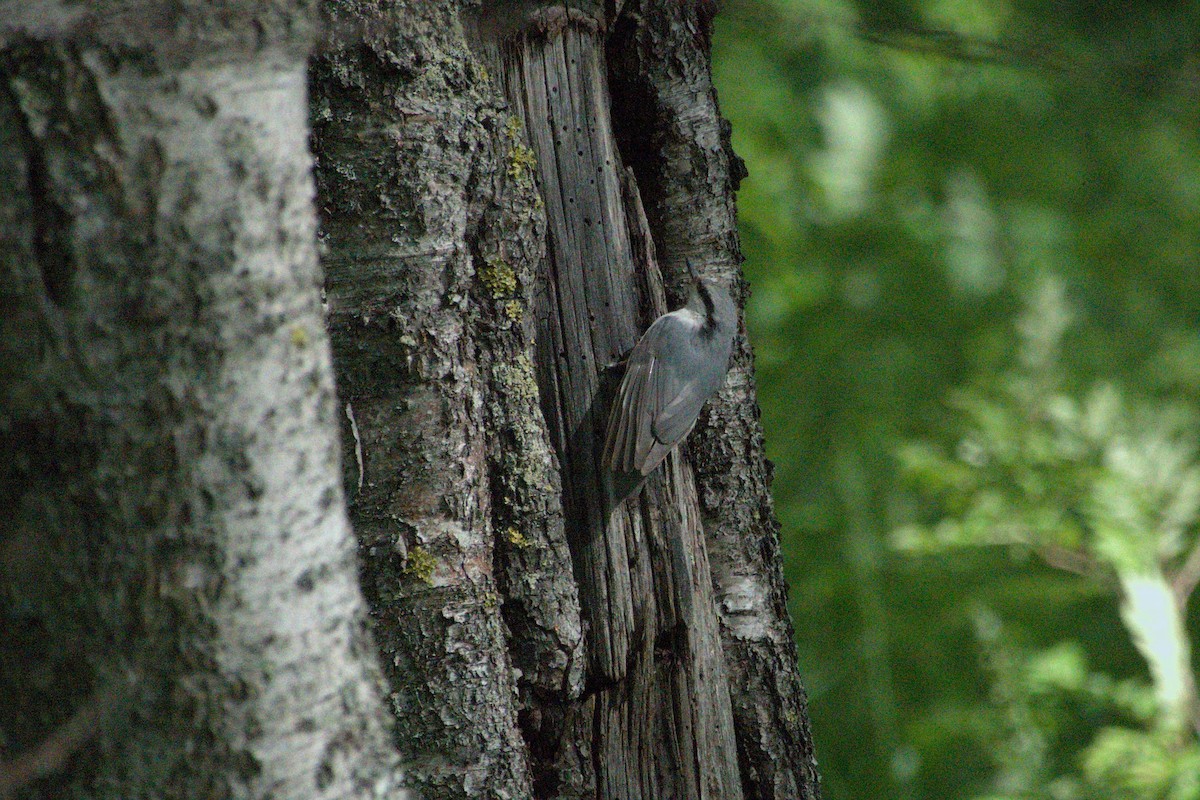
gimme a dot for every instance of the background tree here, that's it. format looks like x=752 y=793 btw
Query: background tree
x=922 y=173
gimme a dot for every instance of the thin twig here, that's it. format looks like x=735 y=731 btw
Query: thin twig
x=1070 y=561
x=960 y=47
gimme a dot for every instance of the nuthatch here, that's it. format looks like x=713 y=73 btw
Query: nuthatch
x=679 y=363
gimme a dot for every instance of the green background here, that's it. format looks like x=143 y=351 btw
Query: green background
x=971 y=229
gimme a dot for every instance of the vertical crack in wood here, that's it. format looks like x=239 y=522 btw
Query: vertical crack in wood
x=671 y=133
x=662 y=724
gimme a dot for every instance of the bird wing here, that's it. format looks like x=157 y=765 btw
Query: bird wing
x=679 y=398
x=658 y=400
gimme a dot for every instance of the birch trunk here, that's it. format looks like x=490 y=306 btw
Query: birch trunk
x=179 y=601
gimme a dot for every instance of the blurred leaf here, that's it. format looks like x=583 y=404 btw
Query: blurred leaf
x=1060 y=668
x=971 y=229
x=1125 y=763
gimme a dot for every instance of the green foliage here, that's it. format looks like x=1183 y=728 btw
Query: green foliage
x=1125 y=764
x=1105 y=486
x=1124 y=761
x=972 y=228
x=1101 y=479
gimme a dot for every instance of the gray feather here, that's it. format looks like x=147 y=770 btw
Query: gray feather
x=672 y=371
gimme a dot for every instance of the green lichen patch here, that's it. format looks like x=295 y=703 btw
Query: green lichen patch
x=299 y=336
x=420 y=565
x=517 y=380
x=515 y=537
x=521 y=161
x=512 y=129
x=499 y=277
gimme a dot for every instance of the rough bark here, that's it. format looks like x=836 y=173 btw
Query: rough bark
x=658 y=703
x=437 y=284
x=432 y=230
x=671 y=132
x=179 y=601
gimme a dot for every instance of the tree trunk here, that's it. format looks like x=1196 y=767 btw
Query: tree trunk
x=671 y=132
x=487 y=550
x=179 y=601
x=658 y=696
x=433 y=234
x=495 y=187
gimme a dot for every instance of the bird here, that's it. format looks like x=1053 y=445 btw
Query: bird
x=677 y=365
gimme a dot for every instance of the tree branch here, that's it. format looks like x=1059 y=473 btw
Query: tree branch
x=960 y=47
x=1070 y=560
x=1184 y=581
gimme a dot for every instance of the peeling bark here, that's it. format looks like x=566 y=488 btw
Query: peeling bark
x=179 y=601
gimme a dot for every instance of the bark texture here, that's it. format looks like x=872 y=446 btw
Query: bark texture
x=433 y=231
x=179 y=601
x=671 y=132
x=658 y=703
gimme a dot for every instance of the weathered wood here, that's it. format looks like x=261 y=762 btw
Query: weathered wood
x=662 y=724
x=586 y=307
x=671 y=132
x=178 y=588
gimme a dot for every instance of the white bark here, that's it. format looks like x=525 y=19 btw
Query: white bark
x=158 y=231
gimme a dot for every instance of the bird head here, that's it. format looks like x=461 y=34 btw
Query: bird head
x=710 y=298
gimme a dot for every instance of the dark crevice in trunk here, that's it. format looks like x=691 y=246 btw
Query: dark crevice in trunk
x=670 y=132
x=657 y=717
